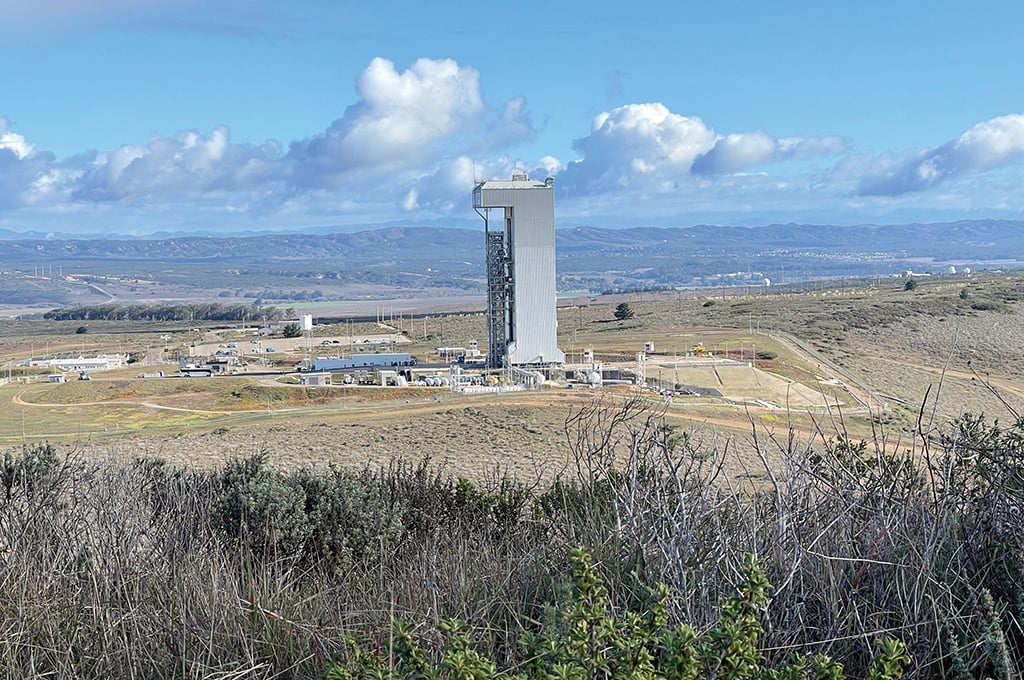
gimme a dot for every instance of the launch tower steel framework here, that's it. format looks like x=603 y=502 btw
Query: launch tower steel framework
x=499 y=297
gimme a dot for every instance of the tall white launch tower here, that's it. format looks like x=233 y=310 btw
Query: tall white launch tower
x=521 y=316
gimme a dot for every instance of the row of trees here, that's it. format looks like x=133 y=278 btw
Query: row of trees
x=170 y=312
x=281 y=295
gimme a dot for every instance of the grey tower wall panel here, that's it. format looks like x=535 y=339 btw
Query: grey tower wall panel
x=534 y=315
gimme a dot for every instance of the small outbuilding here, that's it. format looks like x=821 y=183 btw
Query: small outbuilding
x=219 y=366
x=315 y=379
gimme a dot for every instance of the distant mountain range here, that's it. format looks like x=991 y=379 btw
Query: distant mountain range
x=973 y=240
x=977 y=239
x=375 y=245
x=410 y=261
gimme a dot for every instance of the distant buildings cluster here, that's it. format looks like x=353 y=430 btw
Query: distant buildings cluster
x=81 y=364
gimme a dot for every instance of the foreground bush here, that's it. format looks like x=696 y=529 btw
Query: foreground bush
x=586 y=641
x=148 y=570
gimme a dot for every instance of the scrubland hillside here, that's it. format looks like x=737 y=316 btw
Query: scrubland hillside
x=273 y=550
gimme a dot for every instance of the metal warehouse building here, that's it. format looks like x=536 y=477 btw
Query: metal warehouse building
x=364 y=361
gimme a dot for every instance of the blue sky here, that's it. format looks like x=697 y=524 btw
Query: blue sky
x=129 y=116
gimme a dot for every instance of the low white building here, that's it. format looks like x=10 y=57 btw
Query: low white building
x=102 y=362
x=315 y=379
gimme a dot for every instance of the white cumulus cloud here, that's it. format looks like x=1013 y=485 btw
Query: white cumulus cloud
x=988 y=145
x=735 y=152
x=11 y=141
x=397 y=125
x=636 y=142
x=647 y=145
x=739 y=151
x=403 y=143
x=446 y=189
x=26 y=175
x=188 y=163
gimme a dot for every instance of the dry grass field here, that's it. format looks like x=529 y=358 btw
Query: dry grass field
x=858 y=359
